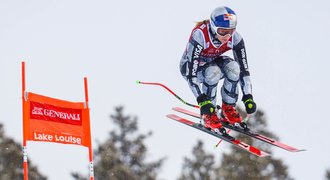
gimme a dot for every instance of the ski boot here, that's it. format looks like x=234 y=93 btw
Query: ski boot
x=209 y=117
x=213 y=123
x=230 y=116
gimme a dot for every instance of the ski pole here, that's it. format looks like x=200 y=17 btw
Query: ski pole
x=169 y=90
x=248 y=116
x=221 y=139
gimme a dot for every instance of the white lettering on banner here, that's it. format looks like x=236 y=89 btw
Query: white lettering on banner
x=57 y=138
x=58 y=114
x=43 y=137
x=67 y=139
x=62 y=115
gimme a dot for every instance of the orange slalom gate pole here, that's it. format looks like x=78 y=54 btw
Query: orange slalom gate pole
x=91 y=164
x=25 y=163
x=90 y=149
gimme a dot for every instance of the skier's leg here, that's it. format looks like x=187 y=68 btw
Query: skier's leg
x=211 y=77
x=229 y=90
x=195 y=79
x=231 y=71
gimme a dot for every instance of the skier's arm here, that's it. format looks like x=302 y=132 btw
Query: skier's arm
x=240 y=56
x=190 y=61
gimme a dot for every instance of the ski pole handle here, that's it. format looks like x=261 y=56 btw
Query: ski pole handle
x=169 y=90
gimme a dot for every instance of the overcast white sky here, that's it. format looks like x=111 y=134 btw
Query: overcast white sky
x=115 y=43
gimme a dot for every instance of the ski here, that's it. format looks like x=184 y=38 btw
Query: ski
x=246 y=132
x=224 y=137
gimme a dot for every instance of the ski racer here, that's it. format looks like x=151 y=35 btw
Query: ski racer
x=203 y=65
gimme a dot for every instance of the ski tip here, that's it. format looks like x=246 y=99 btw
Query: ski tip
x=291 y=149
x=175 y=108
x=264 y=155
x=298 y=150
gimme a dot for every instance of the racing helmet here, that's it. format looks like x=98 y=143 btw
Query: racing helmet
x=223 y=17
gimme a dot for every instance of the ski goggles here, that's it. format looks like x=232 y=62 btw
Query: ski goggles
x=223 y=31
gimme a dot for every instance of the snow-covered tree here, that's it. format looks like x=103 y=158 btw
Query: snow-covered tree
x=11 y=160
x=327 y=174
x=200 y=166
x=238 y=164
x=123 y=155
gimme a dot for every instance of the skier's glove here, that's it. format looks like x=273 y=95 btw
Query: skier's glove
x=205 y=105
x=250 y=105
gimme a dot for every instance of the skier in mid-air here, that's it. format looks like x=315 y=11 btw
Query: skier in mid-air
x=203 y=65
